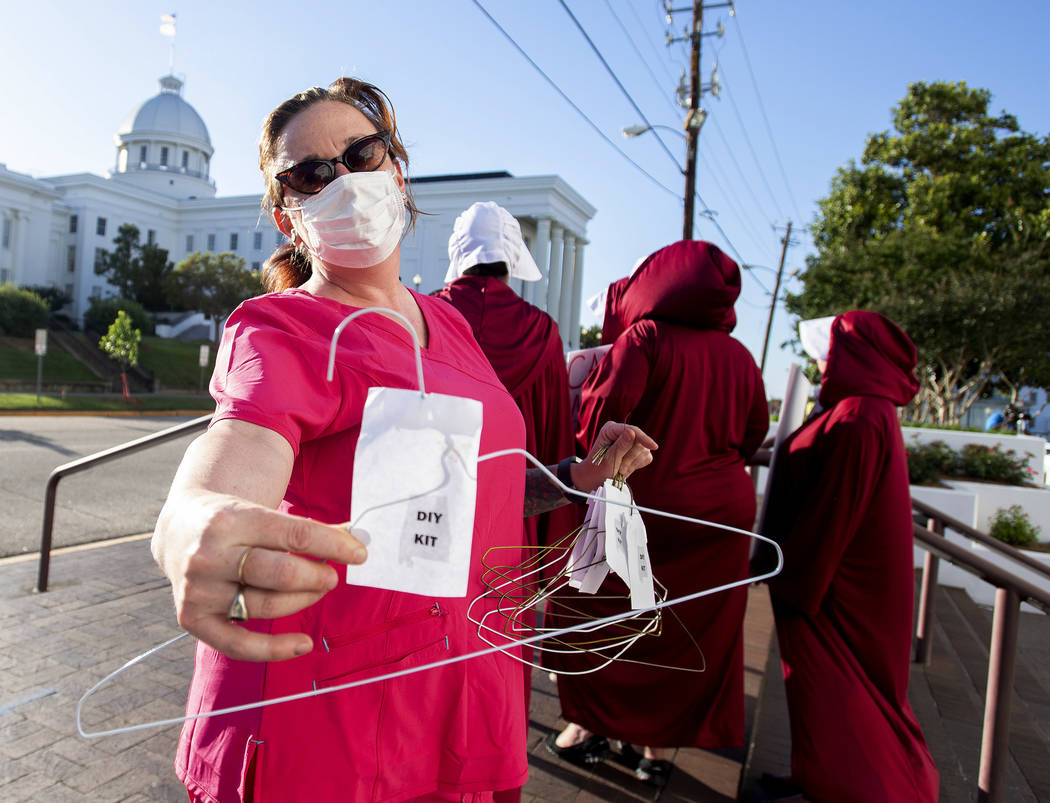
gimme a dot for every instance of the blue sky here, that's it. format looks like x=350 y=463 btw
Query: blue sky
x=819 y=76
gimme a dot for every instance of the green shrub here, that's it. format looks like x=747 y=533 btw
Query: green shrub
x=103 y=311
x=993 y=464
x=21 y=311
x=928 y=462
x=1012 y=526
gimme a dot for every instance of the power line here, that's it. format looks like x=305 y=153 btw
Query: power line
x=723 y=184
x=705 y=211
x=709 y=215
x=754 y=154
x=641 y=27
x=569 y=100
x=769 y=128
x=736 y=164
x=619 y=83
x=641 y=58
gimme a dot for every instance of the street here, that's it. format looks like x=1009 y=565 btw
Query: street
x=121 y=497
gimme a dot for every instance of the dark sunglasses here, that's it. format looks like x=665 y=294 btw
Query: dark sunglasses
x=362 y=156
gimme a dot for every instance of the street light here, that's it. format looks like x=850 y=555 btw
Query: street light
x=632 y=131
x=417 y=280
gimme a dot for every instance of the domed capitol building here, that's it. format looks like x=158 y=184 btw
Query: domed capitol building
x=54 y=230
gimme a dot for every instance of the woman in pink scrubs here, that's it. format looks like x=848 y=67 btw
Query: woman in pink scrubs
x=252 y=525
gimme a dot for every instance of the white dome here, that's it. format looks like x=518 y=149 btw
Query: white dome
x=167 y=114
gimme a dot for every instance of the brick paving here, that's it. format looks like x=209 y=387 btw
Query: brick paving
x=109 y=603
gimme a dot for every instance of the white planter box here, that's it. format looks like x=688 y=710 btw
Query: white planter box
x=965 y=501
x=1032 y=446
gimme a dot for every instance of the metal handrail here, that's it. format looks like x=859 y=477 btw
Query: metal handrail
x=1002 y=651
x=89 y=461
x=985 y=569
x=989 y=541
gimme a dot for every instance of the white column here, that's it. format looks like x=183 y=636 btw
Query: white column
x=577 y=293
x=568 y=269
x=536 y=292
x=554 y=277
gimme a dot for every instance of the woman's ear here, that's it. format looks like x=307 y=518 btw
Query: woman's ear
x=282 y=222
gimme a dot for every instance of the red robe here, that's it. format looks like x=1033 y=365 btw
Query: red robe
x=676 y=373
x=523 y=344
x=841 y=509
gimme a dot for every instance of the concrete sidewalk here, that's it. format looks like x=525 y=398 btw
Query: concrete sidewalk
x=109 y=603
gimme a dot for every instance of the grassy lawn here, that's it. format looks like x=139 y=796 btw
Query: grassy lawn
x=20 y=402
x=175 y=363
x=19 y=361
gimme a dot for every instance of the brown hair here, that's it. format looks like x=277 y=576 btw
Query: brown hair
x=495 y=269
x=289 y=265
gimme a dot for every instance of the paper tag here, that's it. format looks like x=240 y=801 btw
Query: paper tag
x=642 y=594
x=414 y=490
x=616 y=530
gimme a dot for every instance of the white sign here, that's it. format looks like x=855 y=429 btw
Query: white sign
x=579 y=365
x=203 y=362
x=41 y=342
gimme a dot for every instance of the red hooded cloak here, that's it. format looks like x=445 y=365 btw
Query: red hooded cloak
x=676 y=373
x=841 y=509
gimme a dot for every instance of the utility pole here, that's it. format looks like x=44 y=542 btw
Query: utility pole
x=776 y=293
x=692 y=131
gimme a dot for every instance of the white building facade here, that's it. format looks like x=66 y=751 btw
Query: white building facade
x=54 y=229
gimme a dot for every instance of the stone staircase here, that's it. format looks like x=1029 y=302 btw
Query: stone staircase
x=98 y=363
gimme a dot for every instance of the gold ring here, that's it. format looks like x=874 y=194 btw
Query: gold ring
x=239 y=607
x=240 y=566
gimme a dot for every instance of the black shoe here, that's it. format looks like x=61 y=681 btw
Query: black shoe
x=651 y=770
x=592 y=750
x=654 y=771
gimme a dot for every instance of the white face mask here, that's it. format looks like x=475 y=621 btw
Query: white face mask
x=356 y=221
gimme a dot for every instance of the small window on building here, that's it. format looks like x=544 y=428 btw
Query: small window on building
x=5 y=233
x=100 y=257
x=151 y=236
x=185 y=159
x=233 y=241
x=100 y=227
x=279 y=239
x=211 y=242
x=164 y=155
x=256 y=266
x=257 y=241
x=72 y=224
x=5 y=275
x=142 y=155
x=189 y=243
x=96 y=291
x=71 y=258
x=69 y=290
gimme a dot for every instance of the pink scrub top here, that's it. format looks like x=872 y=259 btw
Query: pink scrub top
x=454 y=729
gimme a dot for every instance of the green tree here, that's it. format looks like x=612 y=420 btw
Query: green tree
x=121 y=343
x=212 y=283
x=945 y=228
x=21 y=311
x=137 y=270
x=590 y=336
